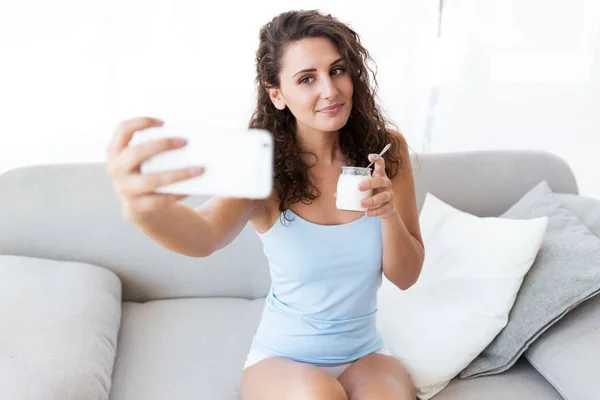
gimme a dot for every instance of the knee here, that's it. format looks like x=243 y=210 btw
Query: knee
x=384 y=387
x=407 y=391
x=323 y=387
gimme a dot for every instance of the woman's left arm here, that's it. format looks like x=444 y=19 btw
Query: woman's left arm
x=394 y=201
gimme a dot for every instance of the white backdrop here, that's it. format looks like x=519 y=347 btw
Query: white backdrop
x=510 y=74
x=76 y=67
x=520 y=75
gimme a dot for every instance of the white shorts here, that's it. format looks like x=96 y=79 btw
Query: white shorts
x=255 y=356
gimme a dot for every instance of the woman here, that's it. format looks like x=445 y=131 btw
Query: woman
x=317 y=337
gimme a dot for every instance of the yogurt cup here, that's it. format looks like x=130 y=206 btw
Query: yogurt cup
x=348 y=194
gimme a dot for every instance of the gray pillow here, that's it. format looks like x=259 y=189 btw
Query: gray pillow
x=565 y=273
x=59 y=323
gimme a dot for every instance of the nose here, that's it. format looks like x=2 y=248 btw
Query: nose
x=328 y=88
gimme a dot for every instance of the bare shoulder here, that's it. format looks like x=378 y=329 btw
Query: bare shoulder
x=403 y=185
x=266 y=212
x=399 y=140
x=401 y=151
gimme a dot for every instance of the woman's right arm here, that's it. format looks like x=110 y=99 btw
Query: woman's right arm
x=198 y=232
x=193 y=232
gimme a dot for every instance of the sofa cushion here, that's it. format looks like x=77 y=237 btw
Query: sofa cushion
x=59 y=326
x=190 y=349
x=184 y=349
x=567 y=354
x=565 y=274
x=520 y=382
x=472 y=272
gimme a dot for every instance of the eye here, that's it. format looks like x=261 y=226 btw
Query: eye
x=306 y=80
x=339 y=70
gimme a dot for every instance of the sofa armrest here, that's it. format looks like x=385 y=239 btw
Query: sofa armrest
x=59 y=323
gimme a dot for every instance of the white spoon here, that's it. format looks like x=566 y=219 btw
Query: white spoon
x=386 y=148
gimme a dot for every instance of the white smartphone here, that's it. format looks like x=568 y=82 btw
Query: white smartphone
x=237 y=163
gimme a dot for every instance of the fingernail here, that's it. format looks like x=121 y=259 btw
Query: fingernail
x=361 y=186
x=196 y=170
x=179 y=141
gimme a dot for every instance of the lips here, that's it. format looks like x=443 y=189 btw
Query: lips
x=331 y=109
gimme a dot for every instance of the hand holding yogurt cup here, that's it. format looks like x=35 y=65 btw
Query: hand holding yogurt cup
x=360 y=190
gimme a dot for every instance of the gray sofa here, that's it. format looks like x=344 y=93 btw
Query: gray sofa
x=180 y=327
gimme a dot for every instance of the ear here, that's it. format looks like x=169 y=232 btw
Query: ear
x=276 y=98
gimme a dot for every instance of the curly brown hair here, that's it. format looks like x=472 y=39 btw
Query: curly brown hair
x=367 y=128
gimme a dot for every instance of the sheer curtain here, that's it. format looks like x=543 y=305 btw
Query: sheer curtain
x=73 y=69
x=521 y=74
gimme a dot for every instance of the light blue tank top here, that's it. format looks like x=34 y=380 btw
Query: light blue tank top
x=322 y=303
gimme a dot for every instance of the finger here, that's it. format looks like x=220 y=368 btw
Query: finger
x=132 y=157
x=380 y=211
x=125 y=131
x=375 y=183
x=379 y=167
x=377 y=200
x=140 y=184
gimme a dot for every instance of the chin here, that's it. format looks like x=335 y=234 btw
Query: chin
x=333 y=125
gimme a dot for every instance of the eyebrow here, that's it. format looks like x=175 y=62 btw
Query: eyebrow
x=314 y=69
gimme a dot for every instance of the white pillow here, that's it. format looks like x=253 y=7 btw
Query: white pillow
x=59 y=322
x=472 y=272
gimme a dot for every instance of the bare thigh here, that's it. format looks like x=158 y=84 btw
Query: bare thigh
x=277 y=378
x=375 y=377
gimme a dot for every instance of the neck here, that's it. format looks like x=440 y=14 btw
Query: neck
x=324 y=145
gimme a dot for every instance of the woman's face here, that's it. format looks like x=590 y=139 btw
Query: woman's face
x=315 y=85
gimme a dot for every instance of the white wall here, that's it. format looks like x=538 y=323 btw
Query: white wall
x=520 y=75
x=76 y=68
x=509 y=74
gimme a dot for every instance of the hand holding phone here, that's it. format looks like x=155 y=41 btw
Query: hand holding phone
x=236 y=163
x=134 y=190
